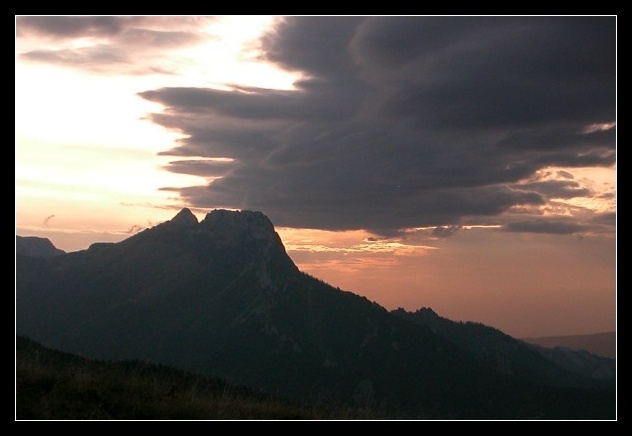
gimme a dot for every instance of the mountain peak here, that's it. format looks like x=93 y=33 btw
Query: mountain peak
x=254 y=223
x=224 y=226
x=427 y=311
x=244 y=239
x=185 y=217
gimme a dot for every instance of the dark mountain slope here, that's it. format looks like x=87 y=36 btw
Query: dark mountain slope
x=35 y=247
x=511 y=356
x=222 y=298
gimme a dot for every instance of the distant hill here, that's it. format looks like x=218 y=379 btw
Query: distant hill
x=222 y=298
x=35 y=247
x=602 y=344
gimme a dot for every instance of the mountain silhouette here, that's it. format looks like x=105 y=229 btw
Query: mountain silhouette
x=495 y=349
x=36 y=247
x=221 y=297
x=601 y=344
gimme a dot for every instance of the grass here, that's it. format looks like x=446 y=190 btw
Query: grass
x=51 y=385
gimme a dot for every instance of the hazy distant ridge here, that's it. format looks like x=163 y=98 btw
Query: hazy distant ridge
x=602 y=344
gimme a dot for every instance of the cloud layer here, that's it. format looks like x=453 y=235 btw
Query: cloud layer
x=398 y=122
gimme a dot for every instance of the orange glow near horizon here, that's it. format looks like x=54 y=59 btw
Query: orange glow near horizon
x=463 y=282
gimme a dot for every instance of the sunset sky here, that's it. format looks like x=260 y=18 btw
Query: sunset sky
x=467 y=164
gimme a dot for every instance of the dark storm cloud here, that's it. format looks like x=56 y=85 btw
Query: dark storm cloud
x=212 y=136
x=124 y=45
x=609 y=218
x=491 y=72
x=301 y=197
x=252 y=103
x=445 y=231
x=565 y=174
x=553 y=226
x=597 y=157
x=560 y=137
x=403 y=122
x=315 y=45
x=557 y=188
x=205 y=168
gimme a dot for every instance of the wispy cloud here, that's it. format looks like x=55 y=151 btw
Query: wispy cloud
x=47 y=220
x=112 y=44
x=368 y=247
x=134 y=229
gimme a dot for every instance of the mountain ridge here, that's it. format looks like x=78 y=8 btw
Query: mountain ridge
x=36 y=247
x=222 y=297
x=513 y=356
x=601 y=343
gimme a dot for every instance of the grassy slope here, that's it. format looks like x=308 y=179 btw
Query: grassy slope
x=61 y=386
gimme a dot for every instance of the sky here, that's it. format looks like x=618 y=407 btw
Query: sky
x=467 y=164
